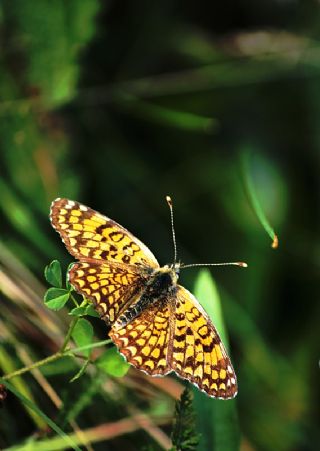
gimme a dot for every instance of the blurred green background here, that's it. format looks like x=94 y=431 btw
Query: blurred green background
x=117 y=104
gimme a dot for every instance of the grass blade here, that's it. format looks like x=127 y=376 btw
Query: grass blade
x=254 y=201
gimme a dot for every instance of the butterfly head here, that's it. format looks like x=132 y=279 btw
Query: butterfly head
x=173 y=270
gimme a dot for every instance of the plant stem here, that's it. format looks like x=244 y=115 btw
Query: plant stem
x=74 y=300
x=71 y=327
x=25 y=369
x=62 y=353
x=69 y=333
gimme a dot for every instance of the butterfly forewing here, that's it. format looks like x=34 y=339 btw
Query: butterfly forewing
x=89 y=235
x=198 y=353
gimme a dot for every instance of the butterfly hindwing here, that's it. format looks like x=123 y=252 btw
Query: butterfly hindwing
x=145 y=340
x=89 y=235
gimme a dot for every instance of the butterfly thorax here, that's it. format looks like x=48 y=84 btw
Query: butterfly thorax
x=161 y=284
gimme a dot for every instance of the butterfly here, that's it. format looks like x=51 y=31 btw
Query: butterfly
x=156 y=324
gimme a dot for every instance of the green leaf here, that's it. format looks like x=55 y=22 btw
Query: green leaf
x=78 y=311
x=83 y=334
x=112 y=363
x=53 y=274
x=84 y=310
x=90 y=311
x=56 y=298
x=65 y=365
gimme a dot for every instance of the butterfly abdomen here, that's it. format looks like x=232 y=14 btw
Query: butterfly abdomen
x=161 y=284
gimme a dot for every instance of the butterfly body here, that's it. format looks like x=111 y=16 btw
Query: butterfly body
x=157 y=325
x=160 y=284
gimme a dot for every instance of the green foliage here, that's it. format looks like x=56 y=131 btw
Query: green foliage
x=83 y=334
x=112 y=363
x=86 y=310
x=56 y=298
x=53 y=274
x=62 y=367
x=184 y=434
x=53 y=68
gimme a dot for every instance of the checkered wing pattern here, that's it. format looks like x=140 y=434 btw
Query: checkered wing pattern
x=170 y=333
x=198 y=354
x=89 y=235
x=144 y=342
x=109 y=287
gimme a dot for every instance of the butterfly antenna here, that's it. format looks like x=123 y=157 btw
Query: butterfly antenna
x=242 y=264
x=169 y=202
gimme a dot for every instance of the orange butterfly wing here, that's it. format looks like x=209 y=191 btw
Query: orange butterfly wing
x=176 y=334
x=109 y=286
x=144 y=342
x=89 y=235
x=198 y=353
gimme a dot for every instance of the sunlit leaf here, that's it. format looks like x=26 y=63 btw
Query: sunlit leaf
x=78 y=311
